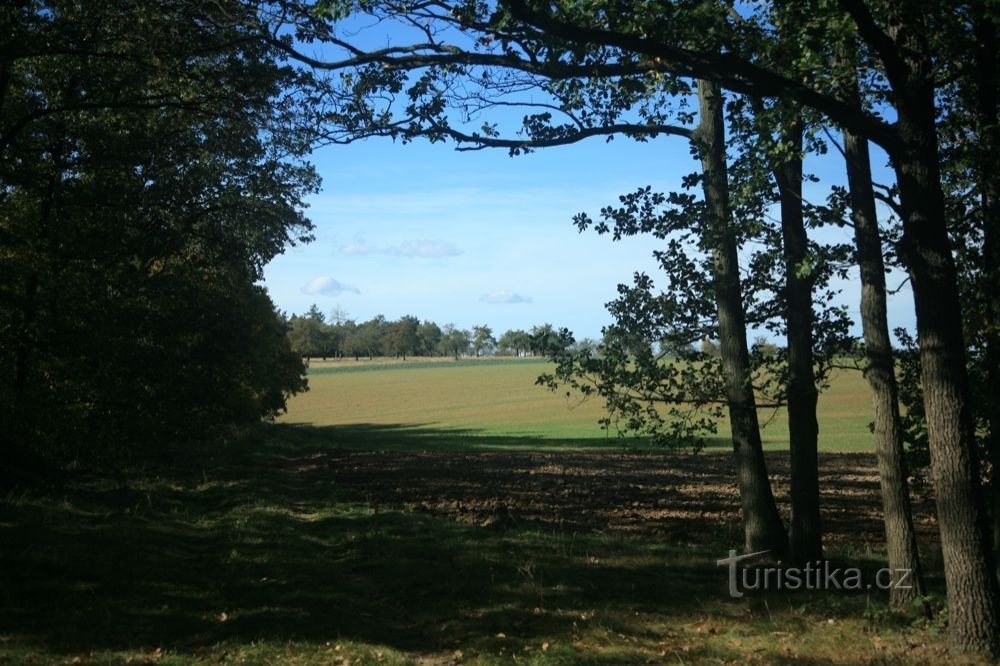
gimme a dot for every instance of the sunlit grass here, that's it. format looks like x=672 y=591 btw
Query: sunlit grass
x=497 y=398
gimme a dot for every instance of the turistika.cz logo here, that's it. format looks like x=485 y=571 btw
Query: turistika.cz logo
x=813 y=576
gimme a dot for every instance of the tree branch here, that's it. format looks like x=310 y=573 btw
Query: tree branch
x=574 y=137
x=727 y=69
x=875 y=37
x=417 y=56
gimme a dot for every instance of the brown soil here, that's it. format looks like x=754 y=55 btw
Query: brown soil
x=683 y=496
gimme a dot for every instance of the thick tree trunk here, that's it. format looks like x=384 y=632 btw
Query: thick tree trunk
x=762 y=526
x=900 y=536
x=805 y=530
x=972 y=602
x=987 y=75
x=926 y=251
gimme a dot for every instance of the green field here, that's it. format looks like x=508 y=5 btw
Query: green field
x=494 y=404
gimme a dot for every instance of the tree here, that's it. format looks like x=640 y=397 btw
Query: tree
x=544 y=340
x=139 y=205
x=483 y=341
x=368 y=338
x=763 y=529
x=514 y=342
x=429 y=337
x=454 y=341
x=592 y=106
x=309 y=334
x=402 y=337
x=880 y=367
x=783 y=155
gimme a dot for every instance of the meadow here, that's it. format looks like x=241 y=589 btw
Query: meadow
x=443 y=513
x=499 y=399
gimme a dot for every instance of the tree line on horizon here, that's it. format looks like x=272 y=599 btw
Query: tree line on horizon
x=314 y=335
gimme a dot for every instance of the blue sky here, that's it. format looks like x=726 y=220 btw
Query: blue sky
x=470 y=237
x=481 y=237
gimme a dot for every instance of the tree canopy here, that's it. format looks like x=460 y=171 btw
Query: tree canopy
x=152 y=164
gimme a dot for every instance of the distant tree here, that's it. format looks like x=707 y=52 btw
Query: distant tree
x=316 y=314
x=354 y=341
x=402 y=338
x=369 y=337
x=675 y=348
x=338 y=316
x=483 y=341
x=709 y=347
x=514 y=342
x=335 y=335
x=428 y=338
x=454 y=341
x=544 y=340
x=309 y=335
x=765 y=347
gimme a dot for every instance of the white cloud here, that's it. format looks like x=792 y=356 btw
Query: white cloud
x=426 y=248
x=327 y=286
x=358 y=249
x=503 y=297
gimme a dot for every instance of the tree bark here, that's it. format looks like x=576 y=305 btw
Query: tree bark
x=900 y=535
x=805 y=530
x=987 y=73
x=762 y=526
x=880 y=368
x=926 y=251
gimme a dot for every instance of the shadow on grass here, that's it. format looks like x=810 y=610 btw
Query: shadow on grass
x=246 y=548
x=429 y=437
x=271 y=542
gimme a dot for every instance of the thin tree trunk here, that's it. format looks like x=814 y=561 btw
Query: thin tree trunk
x=880 y=371
x=805 y=530
x=762 y=526
x=900 y=535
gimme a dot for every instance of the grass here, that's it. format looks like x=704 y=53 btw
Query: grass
x=500 y=398
x=249 y=557
x=329 y=540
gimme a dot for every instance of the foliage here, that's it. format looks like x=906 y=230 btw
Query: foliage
x=515 y=342
x=312 y=336
x=151 y=165
x=454 y=341
x=483 y=341
x=647 y=369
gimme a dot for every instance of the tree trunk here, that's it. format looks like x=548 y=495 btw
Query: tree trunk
x=762 y=526
x=926 y=251
x=880 y=370
x=900 y=536
x=805 y=530
x=988 y=123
